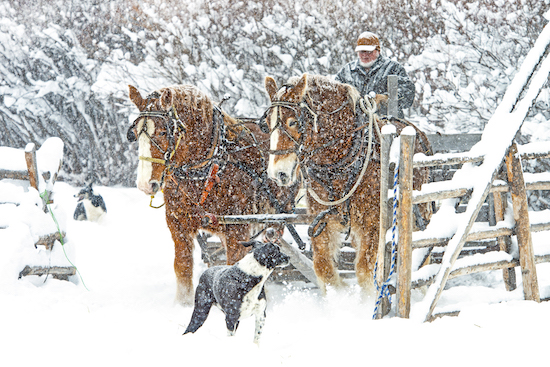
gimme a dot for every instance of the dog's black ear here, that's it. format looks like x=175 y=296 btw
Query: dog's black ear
x=252 y=243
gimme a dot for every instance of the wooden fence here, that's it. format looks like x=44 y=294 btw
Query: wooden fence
x=499 y=229
x=42 y=178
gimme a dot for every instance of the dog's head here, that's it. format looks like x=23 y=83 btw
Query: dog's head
x=85 y=193
x=267 y=254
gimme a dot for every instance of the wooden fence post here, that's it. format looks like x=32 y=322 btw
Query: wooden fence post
x=504 y=242
x=30 y=159
x=523 y=231
x=393 y=106
x=388 y=133
x=405 y=223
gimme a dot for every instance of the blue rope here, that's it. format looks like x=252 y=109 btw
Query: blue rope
x=384 y=290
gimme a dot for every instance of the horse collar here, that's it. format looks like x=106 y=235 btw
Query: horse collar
x=215 y=156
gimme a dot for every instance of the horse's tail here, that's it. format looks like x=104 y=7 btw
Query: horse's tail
x=204 y=299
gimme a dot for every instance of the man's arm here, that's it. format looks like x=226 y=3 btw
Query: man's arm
x=344 y=75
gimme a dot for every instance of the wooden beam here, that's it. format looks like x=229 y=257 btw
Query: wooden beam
x=405 y=221
x=266 y=218
x=504 y=242
x=30 y=159
x=48 y=240
x=299 y=260
x=14 y=175
x=457 y=242
x=496 y=265
x=419 y=197
x=523 y=232
x=58 y=272
x=393 y=103
x=421 y=161
x=385 y=213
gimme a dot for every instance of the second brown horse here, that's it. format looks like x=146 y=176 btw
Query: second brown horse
x=318 y=138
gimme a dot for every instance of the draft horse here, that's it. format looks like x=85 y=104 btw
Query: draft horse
x=207 y=164
x=320 y=136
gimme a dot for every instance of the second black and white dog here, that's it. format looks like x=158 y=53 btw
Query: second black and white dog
x=238 y=290
x=90 y=206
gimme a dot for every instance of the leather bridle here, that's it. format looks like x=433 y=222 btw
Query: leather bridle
x=175 y=130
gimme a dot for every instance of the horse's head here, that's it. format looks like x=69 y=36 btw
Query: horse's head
x=176 y=131
x=162 y=135
x=309 y=120
x=149 y=129
x=286 y=126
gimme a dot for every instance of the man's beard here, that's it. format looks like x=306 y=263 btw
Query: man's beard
x=367 y=64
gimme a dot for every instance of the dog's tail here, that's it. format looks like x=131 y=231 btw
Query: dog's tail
x=204 y=299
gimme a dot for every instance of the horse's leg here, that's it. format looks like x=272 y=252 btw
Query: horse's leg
x=182 y=235
x=231 y=238
x=365 y=221
x=183 y=267
x=325 y=249
x=365 y=242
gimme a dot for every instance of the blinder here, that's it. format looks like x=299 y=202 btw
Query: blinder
x=262 y=123
x=300 y=110
x=130 y=135
x=169 y=117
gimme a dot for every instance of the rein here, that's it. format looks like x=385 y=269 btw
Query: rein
x=369 y=109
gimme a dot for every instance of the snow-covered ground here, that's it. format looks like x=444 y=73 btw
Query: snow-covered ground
x=121 y=311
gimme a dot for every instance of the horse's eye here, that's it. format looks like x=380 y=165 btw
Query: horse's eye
x=162 y=133
x=292 y=122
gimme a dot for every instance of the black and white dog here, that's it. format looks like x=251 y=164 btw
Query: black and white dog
x=90 y=206
x=238 y=290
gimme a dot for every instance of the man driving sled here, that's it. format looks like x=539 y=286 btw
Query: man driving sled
x=369 y=73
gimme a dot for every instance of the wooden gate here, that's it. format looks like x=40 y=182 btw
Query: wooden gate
x=481 y=174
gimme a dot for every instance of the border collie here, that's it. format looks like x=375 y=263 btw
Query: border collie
x=238 y=290
x=90 y=206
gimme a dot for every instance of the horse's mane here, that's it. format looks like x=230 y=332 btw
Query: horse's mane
x=190 y=99
x=319 y=87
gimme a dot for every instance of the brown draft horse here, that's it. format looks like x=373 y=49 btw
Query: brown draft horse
x=207 y=164
x=317 y=137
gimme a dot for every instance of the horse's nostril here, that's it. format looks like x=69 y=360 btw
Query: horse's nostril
x=155 y=187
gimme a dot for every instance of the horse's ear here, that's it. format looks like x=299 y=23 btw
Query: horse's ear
x=166 y=99
x=300 y=87
x=135 y=97
x=271 y=87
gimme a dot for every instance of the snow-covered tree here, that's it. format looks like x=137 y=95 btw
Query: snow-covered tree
x=65 y=66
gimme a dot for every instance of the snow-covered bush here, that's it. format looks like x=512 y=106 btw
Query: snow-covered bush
x=65 y=66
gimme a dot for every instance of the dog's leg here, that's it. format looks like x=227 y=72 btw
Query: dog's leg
x=260 y=320
x=204 y=299
x=232 y=323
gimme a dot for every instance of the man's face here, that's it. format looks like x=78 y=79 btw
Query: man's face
x=367 y=58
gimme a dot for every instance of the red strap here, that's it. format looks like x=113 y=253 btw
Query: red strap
x=210 y=181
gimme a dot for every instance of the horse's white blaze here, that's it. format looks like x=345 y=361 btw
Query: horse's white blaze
x=145 y=168
x=273 y=141
x=282 y=170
